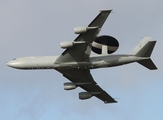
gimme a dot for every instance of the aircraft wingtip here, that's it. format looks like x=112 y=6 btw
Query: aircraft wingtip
x=105 y=10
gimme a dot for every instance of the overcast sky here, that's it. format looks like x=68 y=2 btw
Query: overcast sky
x=31 y=28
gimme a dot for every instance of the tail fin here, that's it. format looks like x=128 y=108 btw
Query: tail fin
x=144 y=49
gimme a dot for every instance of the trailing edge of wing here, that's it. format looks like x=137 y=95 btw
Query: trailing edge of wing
x=100 y=19
x=82 y=52
x=84 y=79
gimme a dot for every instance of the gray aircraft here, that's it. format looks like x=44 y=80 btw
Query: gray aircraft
x=75 y=62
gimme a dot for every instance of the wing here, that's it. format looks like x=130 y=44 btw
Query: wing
x=84 y=79
x=81 y=52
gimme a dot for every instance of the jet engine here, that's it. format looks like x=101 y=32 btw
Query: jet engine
x=84 y=95
x=66 y=44
x=69 y=86
x=110 y=42
x=80 y=30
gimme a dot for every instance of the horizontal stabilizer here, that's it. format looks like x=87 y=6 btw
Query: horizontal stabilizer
x=148 y=64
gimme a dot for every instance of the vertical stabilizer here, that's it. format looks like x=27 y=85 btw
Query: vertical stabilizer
x=144 y=48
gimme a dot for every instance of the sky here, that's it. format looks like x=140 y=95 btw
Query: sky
x=36 y=28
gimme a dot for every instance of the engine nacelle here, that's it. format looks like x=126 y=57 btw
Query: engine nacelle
x=69 y=86
x=84 y=95
x=80 y=30
x=66 y=44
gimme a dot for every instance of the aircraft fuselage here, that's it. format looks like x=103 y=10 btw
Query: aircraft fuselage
x=48 y=62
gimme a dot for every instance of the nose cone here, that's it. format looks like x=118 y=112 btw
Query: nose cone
x=8 y=64
x=14 y=64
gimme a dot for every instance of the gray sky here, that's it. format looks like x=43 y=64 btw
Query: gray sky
x=30 y=28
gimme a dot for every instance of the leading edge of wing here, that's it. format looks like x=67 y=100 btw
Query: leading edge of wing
x=98 y=92
x=84 y=79
x=100 y=19
x=97 y=22
x=82 y=52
